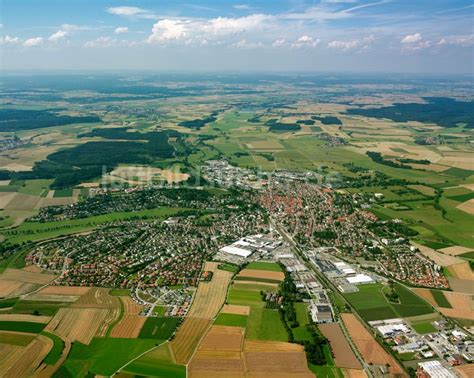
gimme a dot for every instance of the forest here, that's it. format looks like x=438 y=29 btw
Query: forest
x=17 y=119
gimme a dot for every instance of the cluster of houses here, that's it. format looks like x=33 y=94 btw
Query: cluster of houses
x=170 y=301
x=143 y=255
x=445 y=347
x=319 y=216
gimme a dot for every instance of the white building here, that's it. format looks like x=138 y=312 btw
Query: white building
x=435 y=370
x=359 y=278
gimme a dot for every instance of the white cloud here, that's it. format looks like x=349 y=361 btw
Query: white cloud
x=60 y=34
x=412 y=38
x=31 y=42
x=344 y=45
x=279 y=42
x=242 y=7
x=103 y=42
x=466 y=40
x=121 y=30
x=244 y=44
x=167 y=30
x=226 y=25
x=305 y=41
x=132 y=12
x=363 y=43
x=71 y=27
x=8 y=40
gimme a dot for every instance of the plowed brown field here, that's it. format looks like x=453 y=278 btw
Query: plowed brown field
x=65 y=290
x=207 y=302
x=80 y=324
x=266 y=274
x=97 y=298
x=275 y=359
x=370 y=350
x=129 y=327
x=354 y=373
x=219 y=353
x=465 y=371
x=25 y=318
x=8 y=287
x=27 y=277
x=130 y=306
x=343 y=354
x=31 y=358
x=236 y=309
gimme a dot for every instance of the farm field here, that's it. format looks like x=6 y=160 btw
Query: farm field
x=344 y=357
x=235 y=320
x=262 y=323
x=371 y=303
x=157 y=363
x=224 y=352
x=262 y=265
x=158 y=328
x=129 y=326
x=458 y=306
x=104 y=356
x=260 y=276
x=77 y=324
x=370 y=350
x=208 y=300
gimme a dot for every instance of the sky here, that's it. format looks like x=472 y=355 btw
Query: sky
x=408 y=36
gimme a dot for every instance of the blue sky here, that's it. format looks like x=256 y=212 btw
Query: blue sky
x=272 y=35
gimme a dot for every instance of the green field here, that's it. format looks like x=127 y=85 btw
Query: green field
x=424 y=327
x=326 y=371
x=233 y=320
x=119 y=292
x=54 y=354
x=6 y=303
x=433 y=226
x=38 y=307
x=28 y=327
x=257 y=279
x=440 y=299
x=16 y=339
x=467 y=255
x=159 y=310
x=37 y=187
x=262 y=323
x=301 y=333
x=157 y=363
x=59 y=193
x=260 y=265
x=159 y=327
x=103 y=356
x=371 y=304
x=228 y=267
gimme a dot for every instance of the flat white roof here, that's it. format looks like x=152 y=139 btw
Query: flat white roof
x=359 y=278
x=348 y=270
x=387 y=329
x=236 y=251
x=436 y=370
